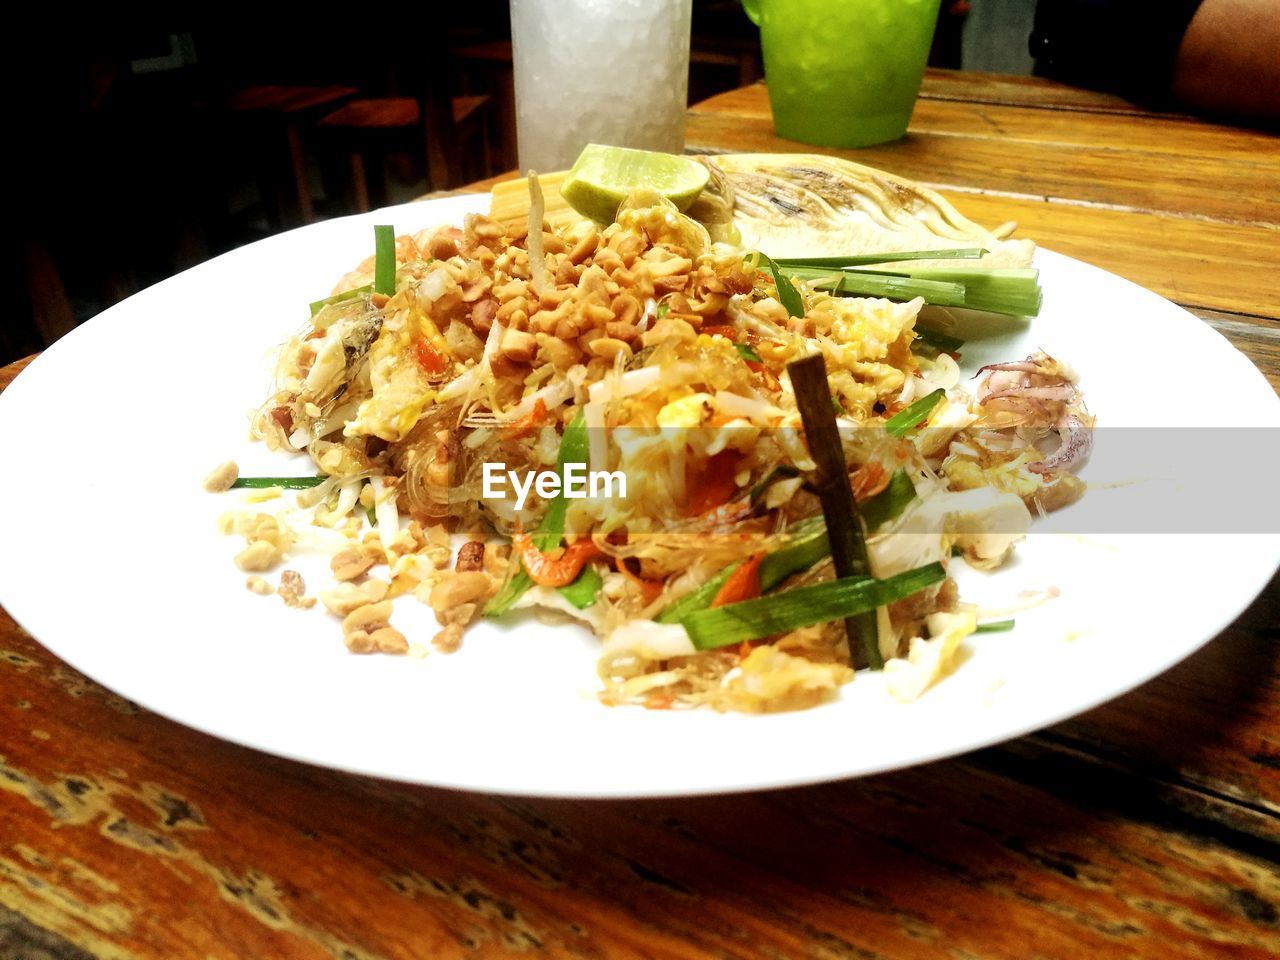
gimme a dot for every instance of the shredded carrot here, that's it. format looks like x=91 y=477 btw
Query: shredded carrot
x=528 y=423
x=714 y=484
x=429 y=358
x=721 y=330
x=649 y=589
x=658 y=701
x=868 y=480
x=743 y=583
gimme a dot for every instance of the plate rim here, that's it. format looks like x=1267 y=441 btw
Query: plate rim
x=25 y=614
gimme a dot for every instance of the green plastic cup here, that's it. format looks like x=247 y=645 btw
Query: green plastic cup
x=843 y=73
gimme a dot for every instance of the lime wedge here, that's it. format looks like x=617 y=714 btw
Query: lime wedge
x=602 y=177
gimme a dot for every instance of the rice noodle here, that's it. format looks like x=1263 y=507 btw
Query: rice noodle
x=552 y=397
x=384 y=508
x=537 y=260
x=733 y=405
x=466 y=384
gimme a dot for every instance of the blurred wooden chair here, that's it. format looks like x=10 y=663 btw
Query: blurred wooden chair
x=280 y=114
x=450 y=134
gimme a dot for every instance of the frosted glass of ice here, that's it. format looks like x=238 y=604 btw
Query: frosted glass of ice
x=598 y=71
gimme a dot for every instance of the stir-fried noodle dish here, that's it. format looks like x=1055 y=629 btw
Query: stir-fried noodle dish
x=603 y=423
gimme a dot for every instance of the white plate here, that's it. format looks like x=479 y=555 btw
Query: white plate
x=111 y=559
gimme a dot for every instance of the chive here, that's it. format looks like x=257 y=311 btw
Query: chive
x=1013 y=291
x=844 y=524
x=846 y=283
x=583 y=591
x=511 y=591
x=889 y=503
x=963 y=253
x=1010 y=290
x=384 y=261
x=839 y=407
x=372 y=514
x=663 y=310
x=995 y=626
x=788 y=295
x=801 y=555
x=573 y=449
x=914 y=414
x=939 y=341
x=747 y=352
x=804 y=607
x=698 y=599
x=340 y=298
x=288 y=483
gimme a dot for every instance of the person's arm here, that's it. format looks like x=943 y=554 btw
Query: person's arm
x=1219 y=56
x=1229 y=59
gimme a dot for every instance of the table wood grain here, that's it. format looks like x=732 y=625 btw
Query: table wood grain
x=1149 y=827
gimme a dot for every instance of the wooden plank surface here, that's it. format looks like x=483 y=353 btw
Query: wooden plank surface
x=1257 y=338
x=135 y=837
x=1149 y=827
x=971 y=86
x=7 y=374
x=1178 y=136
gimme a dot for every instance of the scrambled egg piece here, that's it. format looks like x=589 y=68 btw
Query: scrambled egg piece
x=687 y=412
x=770 y=680
x=401 y=393
x=869 y=342
x=928 y=661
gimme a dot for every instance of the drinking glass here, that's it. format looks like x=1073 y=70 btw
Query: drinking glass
x=843 y=73
x=598 y=71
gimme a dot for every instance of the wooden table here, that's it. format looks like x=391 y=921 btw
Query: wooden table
x=1146 y=828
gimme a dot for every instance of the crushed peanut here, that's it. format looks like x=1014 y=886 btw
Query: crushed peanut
x=346 y=597
x=470 y=557
x=369 y=617
x=258 y=556
x=358 y=642
x=259 y=586
x=461 y=592
x=222 y=477
x=352 y=564
x=292 y=590
x=449 y=639
x=366 y=629
x=496 y=559
x=389 y=640
x=409 y=540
